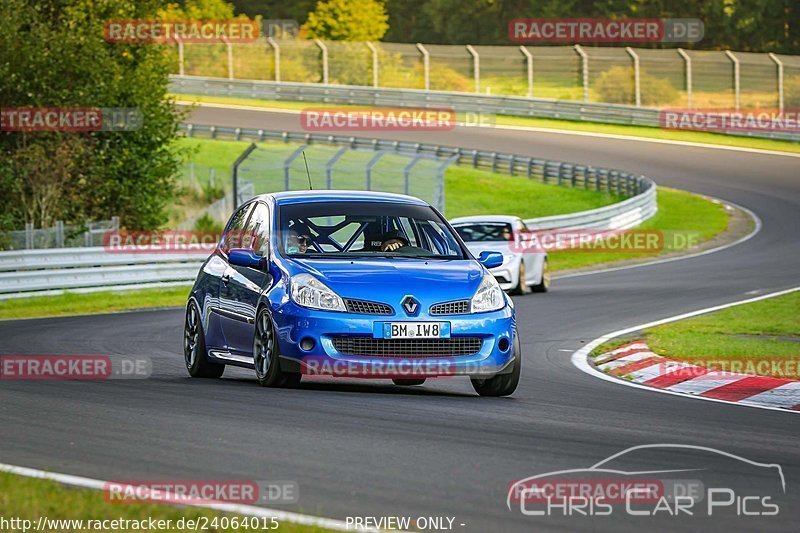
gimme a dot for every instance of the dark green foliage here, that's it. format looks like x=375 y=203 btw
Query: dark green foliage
x=52 y=54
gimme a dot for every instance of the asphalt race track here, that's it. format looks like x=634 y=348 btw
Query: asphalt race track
x=372 y=449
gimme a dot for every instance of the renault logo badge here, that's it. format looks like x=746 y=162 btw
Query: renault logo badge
x=411 y=305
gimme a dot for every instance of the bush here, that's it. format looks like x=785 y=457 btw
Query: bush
x=205 y=223
x=616 y=86
x=212 y=192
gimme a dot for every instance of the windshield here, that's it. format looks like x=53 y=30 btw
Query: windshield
x=485 y=232
x=364 y=229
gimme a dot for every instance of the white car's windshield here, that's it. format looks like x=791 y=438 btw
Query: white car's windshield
x=364 y=229
x=484 y=232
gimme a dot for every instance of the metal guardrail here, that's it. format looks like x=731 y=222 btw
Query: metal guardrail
x=460 y=102
x=34 y=271
x=43 y=271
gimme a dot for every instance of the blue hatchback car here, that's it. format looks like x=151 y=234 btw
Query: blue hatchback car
x=350 y=284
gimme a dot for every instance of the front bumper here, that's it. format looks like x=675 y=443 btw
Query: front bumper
x=299 y=328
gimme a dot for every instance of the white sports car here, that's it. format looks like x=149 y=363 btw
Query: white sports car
x=520 y=272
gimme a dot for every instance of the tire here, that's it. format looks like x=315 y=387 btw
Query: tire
x=194 y=347
x=266 y=355
x=501 y=384
x=522 y=286
x=544 y=284
x=408 y=382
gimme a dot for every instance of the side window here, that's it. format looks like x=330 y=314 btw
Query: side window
x=235 y=231
x=257 y=231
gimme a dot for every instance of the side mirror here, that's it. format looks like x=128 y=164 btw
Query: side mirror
x=245 y=257
x=490 y=259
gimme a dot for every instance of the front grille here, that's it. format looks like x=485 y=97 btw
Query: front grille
x=368 y=308
x=370 y=347
x=459 y=307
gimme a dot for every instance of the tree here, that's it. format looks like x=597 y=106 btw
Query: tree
x=52 y=54
x=347 y=20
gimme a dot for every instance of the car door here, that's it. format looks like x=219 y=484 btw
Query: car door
x=241 y=286
x=230 y=239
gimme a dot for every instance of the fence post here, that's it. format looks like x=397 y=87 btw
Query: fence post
x=230 y=56
x=59 y=233
x=585 y=70
x=324 y=50
x=476 y=67
x=329 y=167
x=426 y=65
x=688 y=61
x=735 y=61
x=28 y=235
x=239 y=160
x=778 y=62
x=370 y=166
x=529 y=61
x=277 y=51
x=180 y=55
x=440 y=182
x=374 y=63
x=407 y=174
x=637 y=88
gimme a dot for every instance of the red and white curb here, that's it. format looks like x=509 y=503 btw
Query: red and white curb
x=646 y=371
x=635 y=362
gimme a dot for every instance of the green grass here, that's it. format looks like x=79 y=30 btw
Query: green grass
x=680 y=213
x=764 y=330
x=72 y=303
x=590 y=127
x=29 y=499
x=475 y=192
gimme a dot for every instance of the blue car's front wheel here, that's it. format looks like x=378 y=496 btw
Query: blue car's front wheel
x=265 y=355
x=501 y=384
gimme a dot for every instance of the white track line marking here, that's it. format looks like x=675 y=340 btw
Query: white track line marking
x=580 y=357
x=248 y=510
x=531 y=128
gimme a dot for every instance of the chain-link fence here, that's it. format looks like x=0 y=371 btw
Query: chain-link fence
x=289 y=167
x=59 y=236
x=277 y=166
x=638 y=76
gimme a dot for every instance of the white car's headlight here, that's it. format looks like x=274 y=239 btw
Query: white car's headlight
x=308 y=291
x=489 y=296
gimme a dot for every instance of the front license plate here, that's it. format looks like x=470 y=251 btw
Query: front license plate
x=416 y=330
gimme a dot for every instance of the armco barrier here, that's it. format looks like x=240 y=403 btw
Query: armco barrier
x=30 y=272
x=460 y=102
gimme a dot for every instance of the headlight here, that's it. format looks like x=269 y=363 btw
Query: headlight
x=308 y=291
x=489 y=296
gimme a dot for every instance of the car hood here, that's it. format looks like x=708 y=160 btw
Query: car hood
x=390 y=280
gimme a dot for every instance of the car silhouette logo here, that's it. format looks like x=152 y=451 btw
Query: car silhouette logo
x=410 y=304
